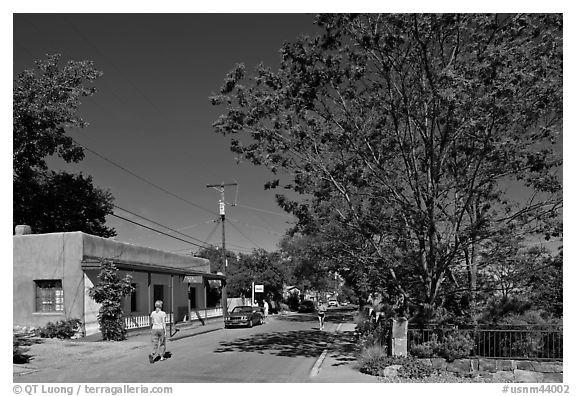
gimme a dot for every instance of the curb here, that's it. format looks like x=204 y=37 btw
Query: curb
x=318 y=364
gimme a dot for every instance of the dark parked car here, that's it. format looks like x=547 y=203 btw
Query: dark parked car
x=244 y=315
x=306 y=306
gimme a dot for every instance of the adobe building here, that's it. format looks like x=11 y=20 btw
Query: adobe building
x=53 y=273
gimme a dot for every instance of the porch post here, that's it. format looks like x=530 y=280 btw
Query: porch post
x=150 y=302
x=171 y=302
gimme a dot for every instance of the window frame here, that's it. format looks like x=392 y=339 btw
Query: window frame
x=48 y=293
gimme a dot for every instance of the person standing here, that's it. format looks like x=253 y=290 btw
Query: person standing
x=265 y=311
x=158 y=319
x=321 y=309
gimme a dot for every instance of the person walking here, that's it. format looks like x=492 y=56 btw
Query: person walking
x=321 y=309
x=158 y=332
x=265 y=311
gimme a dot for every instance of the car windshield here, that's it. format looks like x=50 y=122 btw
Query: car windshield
x=242 y=309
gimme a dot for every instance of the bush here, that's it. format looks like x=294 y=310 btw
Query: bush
x=373 y=361
x=63 y=329
x=293 y=301
x=453 y=345
x=456 y=346
x=110 y=292
x=368 y=334
x=414 y=369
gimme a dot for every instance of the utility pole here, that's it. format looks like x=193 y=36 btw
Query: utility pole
x=222 y=210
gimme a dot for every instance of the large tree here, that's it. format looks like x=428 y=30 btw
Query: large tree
x=45 y=107
x=407 y=132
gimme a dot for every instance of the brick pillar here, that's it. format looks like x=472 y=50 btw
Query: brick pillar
x=399 y=337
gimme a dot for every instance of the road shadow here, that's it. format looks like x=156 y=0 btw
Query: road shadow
x=301 y=343
x=21 y=345
x=339 y=317
x=344 y=350
x=301 y=317
x=334 y=316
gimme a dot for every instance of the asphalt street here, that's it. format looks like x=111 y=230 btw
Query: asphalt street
x=283 y=350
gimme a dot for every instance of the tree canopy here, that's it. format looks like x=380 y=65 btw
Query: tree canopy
x=45 y=107
x=404 y=133
x=260 y=267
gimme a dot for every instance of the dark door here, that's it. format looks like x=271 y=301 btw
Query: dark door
x=192 y=297
x=158 y=293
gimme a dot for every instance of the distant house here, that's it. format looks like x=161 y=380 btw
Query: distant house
x=287 y=291
x=53 y=273
x=311 y=295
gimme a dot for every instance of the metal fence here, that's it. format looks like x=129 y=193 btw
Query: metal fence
x=541 y=342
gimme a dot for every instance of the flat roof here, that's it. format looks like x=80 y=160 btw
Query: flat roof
x=90 y=264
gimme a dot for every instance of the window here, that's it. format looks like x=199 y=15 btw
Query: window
x=49 y=296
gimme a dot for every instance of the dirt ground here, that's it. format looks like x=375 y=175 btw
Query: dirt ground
x=55 y=353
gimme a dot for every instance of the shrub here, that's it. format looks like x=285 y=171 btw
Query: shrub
x=110 y=293
x=452 y=345
x=368 y=334
x=373 y=361
x=63 y=329
x=455 y=345
x=293 y=301
x=424 y=350
x=414 y=369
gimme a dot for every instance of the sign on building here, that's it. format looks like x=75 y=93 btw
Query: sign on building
x=193 y=279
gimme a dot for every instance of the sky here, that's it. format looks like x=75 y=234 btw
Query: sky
x=151 y=118
x=150 y=139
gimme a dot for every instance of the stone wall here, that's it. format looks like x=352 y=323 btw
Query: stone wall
x=502 y=370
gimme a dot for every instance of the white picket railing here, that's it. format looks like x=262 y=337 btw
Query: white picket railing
x=140 y=321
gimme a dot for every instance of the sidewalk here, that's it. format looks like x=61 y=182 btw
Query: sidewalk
x=337 y=362
x=183 y=330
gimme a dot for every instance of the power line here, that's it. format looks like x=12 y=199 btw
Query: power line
x=161 y=225
x=263 y=210
x=211 y=233
x=107 y=59
x=155 y=230
x=257 y=227
x=143 y=179
x=194 y=225
x=241 y=233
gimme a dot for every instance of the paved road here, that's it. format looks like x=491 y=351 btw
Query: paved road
x=283 y=350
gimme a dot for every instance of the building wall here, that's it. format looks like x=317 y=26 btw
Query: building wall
x=97 y=247
x=91 y=307
x=59 y=256
x=44 y=257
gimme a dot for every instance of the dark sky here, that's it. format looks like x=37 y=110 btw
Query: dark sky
x=151 y=115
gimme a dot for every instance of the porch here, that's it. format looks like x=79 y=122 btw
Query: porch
x=141 y=321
